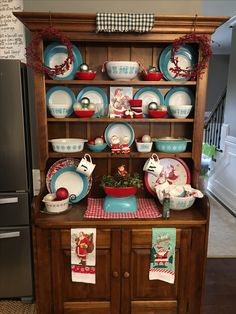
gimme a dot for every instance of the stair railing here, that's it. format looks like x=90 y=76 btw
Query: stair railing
x=213 y=124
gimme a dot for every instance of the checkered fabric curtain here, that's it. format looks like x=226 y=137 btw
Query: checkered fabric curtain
x=124 y=22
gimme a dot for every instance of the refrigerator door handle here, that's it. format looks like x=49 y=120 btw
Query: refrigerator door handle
x=6 y=235
x=8 y=200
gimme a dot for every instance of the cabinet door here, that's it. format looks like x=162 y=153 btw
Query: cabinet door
x=152 y=296
x=80 y=298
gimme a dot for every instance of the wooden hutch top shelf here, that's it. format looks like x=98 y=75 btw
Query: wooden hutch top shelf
x=83 y=25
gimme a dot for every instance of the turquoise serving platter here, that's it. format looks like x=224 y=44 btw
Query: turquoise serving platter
x=56 y=54
x=61 y=95
x=119 y=129
x=186 y=56
x=179 y=96
x=147 y=95
x=96 y=96
x=76 y=183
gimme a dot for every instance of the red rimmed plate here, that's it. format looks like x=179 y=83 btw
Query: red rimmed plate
x=175 y=171
x=60 y=164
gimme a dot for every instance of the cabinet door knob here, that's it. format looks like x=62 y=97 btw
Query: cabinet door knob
x=126 y=274
x=115 y=274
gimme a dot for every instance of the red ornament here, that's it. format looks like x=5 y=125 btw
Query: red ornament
x=196 y=70
x=62 y=194
x=35 y=61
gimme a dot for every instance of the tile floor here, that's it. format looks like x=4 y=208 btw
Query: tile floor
x=222 y=231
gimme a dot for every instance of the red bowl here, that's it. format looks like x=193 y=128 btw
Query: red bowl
x=120 y=192
x=153 y=76
x=157 y=113
x=85 y=75
x=84 y=113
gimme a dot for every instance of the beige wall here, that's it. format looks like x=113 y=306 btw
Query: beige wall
x=185 y=7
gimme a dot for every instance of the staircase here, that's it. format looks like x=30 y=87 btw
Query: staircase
x=214 y=122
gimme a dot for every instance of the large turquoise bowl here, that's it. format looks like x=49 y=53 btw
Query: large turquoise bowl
x=171 y=145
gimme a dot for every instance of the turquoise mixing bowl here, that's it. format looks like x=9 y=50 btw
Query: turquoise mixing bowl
x=171 y=144
x=97 y=147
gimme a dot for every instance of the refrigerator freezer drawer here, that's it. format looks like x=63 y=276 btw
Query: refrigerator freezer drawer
x=14 y=209
x=15 y=262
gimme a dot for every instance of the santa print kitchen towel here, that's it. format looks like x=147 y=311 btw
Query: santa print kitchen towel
x=162 y=264
x=83 y=255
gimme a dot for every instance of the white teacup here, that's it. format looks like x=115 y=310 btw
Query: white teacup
x=86 y=165
x=152 y=165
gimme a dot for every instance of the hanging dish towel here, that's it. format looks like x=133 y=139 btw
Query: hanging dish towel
x=83 y=255
x=162 y=265
x=124 y=22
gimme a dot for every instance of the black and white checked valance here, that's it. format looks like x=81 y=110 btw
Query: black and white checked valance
x=124 y=22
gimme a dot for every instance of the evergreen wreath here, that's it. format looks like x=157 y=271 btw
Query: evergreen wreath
x=34 y=60
x=196 y=70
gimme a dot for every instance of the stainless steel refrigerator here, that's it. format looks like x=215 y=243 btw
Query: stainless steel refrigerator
x=15 y=183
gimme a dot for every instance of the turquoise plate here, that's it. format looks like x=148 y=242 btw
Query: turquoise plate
x=119 y=129
x=61 y=95
x=187 y=58
x=56 y=54
x=96 y=96
x=179 y=96
x=76 y=183
x=149 y=94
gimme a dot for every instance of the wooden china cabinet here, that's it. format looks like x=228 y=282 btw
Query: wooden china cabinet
x=123 y=246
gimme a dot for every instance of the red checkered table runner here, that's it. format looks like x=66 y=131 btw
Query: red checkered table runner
x=147 y=208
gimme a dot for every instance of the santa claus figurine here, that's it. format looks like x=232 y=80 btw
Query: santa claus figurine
x=125 y=145
x=115 y=144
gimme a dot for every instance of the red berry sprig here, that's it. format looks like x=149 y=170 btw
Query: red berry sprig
x=196 y=70
x=35 y=61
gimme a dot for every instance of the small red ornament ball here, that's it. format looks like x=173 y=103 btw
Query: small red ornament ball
x=62 y=193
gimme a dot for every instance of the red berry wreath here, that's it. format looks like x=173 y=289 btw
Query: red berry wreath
x=196 y=70
x=35 y=61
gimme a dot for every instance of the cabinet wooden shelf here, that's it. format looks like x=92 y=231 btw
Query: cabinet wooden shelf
x=117 y=156
x=121 y=83
x=122 y=246
x=109 y=120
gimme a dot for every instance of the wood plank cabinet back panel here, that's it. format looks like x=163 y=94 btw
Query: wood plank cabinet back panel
x=142 y=55
x=96 y=55
x=56 y=130
x=118 y=53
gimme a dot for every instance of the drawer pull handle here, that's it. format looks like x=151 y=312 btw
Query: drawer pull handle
x=126 y=274
x=115 y=274
x=7 y=235
x=9 y=200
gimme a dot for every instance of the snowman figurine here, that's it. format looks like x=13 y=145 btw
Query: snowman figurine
x=115 y=144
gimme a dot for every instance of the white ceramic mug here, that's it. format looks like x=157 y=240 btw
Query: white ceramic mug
x=86 y=165
x=152 y=165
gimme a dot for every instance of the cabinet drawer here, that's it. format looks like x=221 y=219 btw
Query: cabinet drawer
x=103 y=239
x=142 y=238
x=14 y=209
